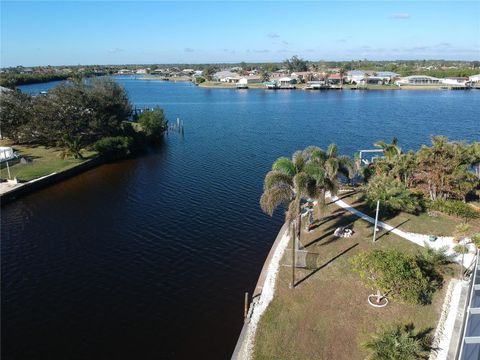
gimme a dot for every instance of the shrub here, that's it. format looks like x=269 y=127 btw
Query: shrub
x=114 y=147
x=476 y=240
x=395 y=274
x=153 y=123
x=454 y=207
x=399 y=342
x=460 y=249
x=393 y=195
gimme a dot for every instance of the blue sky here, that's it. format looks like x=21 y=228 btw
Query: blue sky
x=118 y=32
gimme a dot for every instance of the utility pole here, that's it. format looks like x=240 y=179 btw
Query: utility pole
x=376 y=222
x=294 y=237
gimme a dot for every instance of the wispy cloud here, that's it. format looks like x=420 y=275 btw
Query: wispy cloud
x=115 y=50
x=400 y=16
x=190 y=50
x=273 y=35
x=285 y=42
x=257 y=51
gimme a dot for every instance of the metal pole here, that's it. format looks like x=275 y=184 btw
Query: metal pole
x=246 y=306
x=8 y=169
x=376 y=222
x=292 y=285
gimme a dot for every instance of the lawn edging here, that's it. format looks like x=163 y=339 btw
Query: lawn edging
x=45 y=181
x=261 y=299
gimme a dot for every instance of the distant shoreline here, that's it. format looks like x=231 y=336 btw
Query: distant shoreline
x=261 y=86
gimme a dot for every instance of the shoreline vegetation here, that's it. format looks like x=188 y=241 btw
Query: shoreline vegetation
x=325 y=278
x=73 y=124
x=302 y=86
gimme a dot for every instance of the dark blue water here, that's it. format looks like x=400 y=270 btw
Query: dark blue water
x=149 y=258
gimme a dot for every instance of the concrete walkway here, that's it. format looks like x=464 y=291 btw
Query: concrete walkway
x=419 y=239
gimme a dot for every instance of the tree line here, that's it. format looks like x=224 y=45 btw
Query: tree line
x=76 y=115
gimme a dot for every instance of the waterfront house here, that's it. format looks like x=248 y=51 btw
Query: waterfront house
x=418 y=80
x=287 y=83
x=386 y=76
x=474 y=78
x=334 y=79
x=226 y=76
x=301 y=76
x=249 y=80
x=124 y=72
x=141 y=71
x=355 y=76
x=455 y=81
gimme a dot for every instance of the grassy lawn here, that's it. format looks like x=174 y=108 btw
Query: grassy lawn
x=41 y=161
x=327 y=315
x=440 y=224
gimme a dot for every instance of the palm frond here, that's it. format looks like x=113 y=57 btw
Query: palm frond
x=304 y=184
x=274 y=197
x=284 y=165
x=277 y=178
x=298 y=160
x=331 y=167
x=316 y=172
x=293 y=209
x=332 y=150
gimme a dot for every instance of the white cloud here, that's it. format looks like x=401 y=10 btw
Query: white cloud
x=400 y=16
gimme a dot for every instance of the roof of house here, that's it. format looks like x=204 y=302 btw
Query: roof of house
x=334 y=76
x=225 y=73
x=387 y=73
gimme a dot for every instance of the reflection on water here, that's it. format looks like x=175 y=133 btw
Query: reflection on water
x=150 y=257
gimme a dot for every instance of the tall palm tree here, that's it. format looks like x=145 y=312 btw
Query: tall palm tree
x=389 y=150
x=286 y=184
x=325 y=168
x=342 y=73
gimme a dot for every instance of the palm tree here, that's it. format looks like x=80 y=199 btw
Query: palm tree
x=324 y=167
x=389 y=150
x=286 y=184
x=399 y=343
x=72 y=147
x=342 y=72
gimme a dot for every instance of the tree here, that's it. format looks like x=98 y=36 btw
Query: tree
x=296 y=64
x=399 y=342
x=72 y=146
x=342 y=73
x=325 y=167
x=390 y=151
x=16 y=113
x=443 y=169
x=265 y=74
x=395 y=274
x=153 y=123
x=393 y=195
x=110 y=105
x=286 y=184
x=208 y=72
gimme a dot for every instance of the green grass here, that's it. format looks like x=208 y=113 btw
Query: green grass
x=327 y=315
x=41 y=161
x=435 y=224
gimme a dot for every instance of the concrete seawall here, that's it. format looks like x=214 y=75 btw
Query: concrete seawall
x=241 y=349
x=37 y=184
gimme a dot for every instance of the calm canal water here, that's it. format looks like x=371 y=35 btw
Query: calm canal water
x=149 y=258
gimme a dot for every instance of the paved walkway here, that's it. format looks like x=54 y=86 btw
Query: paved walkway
x=419 y=239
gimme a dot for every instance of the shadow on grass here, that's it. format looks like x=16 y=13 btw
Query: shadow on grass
x=342 y=220
x=325 y=264
x=389 y=231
